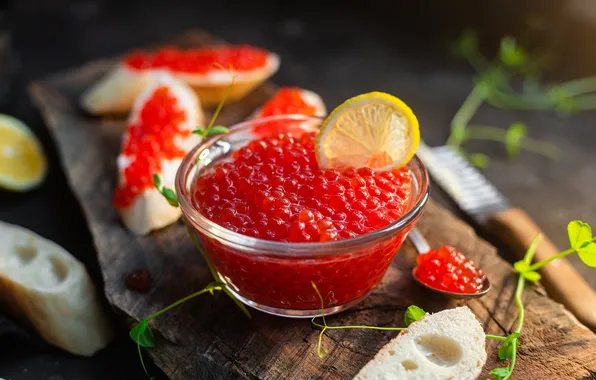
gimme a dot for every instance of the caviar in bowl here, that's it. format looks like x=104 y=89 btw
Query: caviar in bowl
x=273 y=223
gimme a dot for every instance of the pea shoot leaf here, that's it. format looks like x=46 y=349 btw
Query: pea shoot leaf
x=587 y=254
x=510 y=53
x=580 y=239
x=157 y=181
x=500 y=373
x=506 y=349
x=216 y=130
x=531 y=276
x=170 y=196
x=142 y=334
x=479 y=160
x=562 y=101
x=523 y=268
x=168 y=193
x=413 y=314
x=466 y=44
x=514 y=137
x=579 y=233
x=213 y=286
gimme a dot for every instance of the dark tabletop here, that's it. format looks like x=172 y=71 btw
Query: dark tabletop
x=338 y=49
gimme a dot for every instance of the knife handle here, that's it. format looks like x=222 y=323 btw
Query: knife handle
x=562 y=282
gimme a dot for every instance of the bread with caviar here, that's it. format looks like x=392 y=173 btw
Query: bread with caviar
x=209 y=71
x=158 y=136
x=292 y=100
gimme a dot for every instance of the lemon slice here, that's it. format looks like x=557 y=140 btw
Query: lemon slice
x=23 y=164
x=374 y=130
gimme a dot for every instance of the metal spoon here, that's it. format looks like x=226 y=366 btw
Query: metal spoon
x=422 y=247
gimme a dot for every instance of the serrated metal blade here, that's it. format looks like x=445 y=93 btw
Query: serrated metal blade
x=469 y=188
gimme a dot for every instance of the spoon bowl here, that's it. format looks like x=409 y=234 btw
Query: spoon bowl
x=422 y=247
x=485 y=288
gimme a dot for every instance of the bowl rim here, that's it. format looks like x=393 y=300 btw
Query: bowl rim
x=262 y=246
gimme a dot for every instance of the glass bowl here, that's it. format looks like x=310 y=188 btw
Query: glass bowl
x=276 y=277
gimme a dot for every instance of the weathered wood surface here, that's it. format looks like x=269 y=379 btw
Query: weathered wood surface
x=209 y=338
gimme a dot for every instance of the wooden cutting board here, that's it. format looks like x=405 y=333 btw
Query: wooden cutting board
x=209 y=338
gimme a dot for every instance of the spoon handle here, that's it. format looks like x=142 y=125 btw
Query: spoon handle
x=418 y=240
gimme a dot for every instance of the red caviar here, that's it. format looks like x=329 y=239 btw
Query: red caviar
x=286 y=101
x=447 y=269
x=149 y=141
x=200 y=60
x=273 y=189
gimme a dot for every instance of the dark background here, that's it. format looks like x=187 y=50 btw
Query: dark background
x=338 y=49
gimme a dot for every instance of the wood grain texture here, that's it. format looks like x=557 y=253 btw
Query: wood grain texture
x=209 y=338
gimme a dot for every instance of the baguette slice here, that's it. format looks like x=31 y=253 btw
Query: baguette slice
x=448 y=345
x=149 y=210
x=43 y=283
x=212 y=87
x=116 y=92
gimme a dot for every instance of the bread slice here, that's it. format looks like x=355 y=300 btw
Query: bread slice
x=448 y=345
x=150 y=210
x=212 y=87
x=315 y=100
x=42 y=283
x=116 y=92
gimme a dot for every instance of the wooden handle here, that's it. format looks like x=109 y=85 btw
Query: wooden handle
x=561 y=280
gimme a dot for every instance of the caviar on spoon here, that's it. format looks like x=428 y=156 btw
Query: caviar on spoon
x=447 y=271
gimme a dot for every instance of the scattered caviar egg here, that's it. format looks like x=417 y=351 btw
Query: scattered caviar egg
x=448 y=270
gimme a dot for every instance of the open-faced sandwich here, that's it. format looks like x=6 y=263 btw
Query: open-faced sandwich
x=208 y=70
x=292 y=100
x=288 y=101
x=158 y=136
x=447 y=345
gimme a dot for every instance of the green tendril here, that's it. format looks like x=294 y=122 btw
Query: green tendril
x=414 y=311
x=495 y=86
x=582 y=242
x=141 y=333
